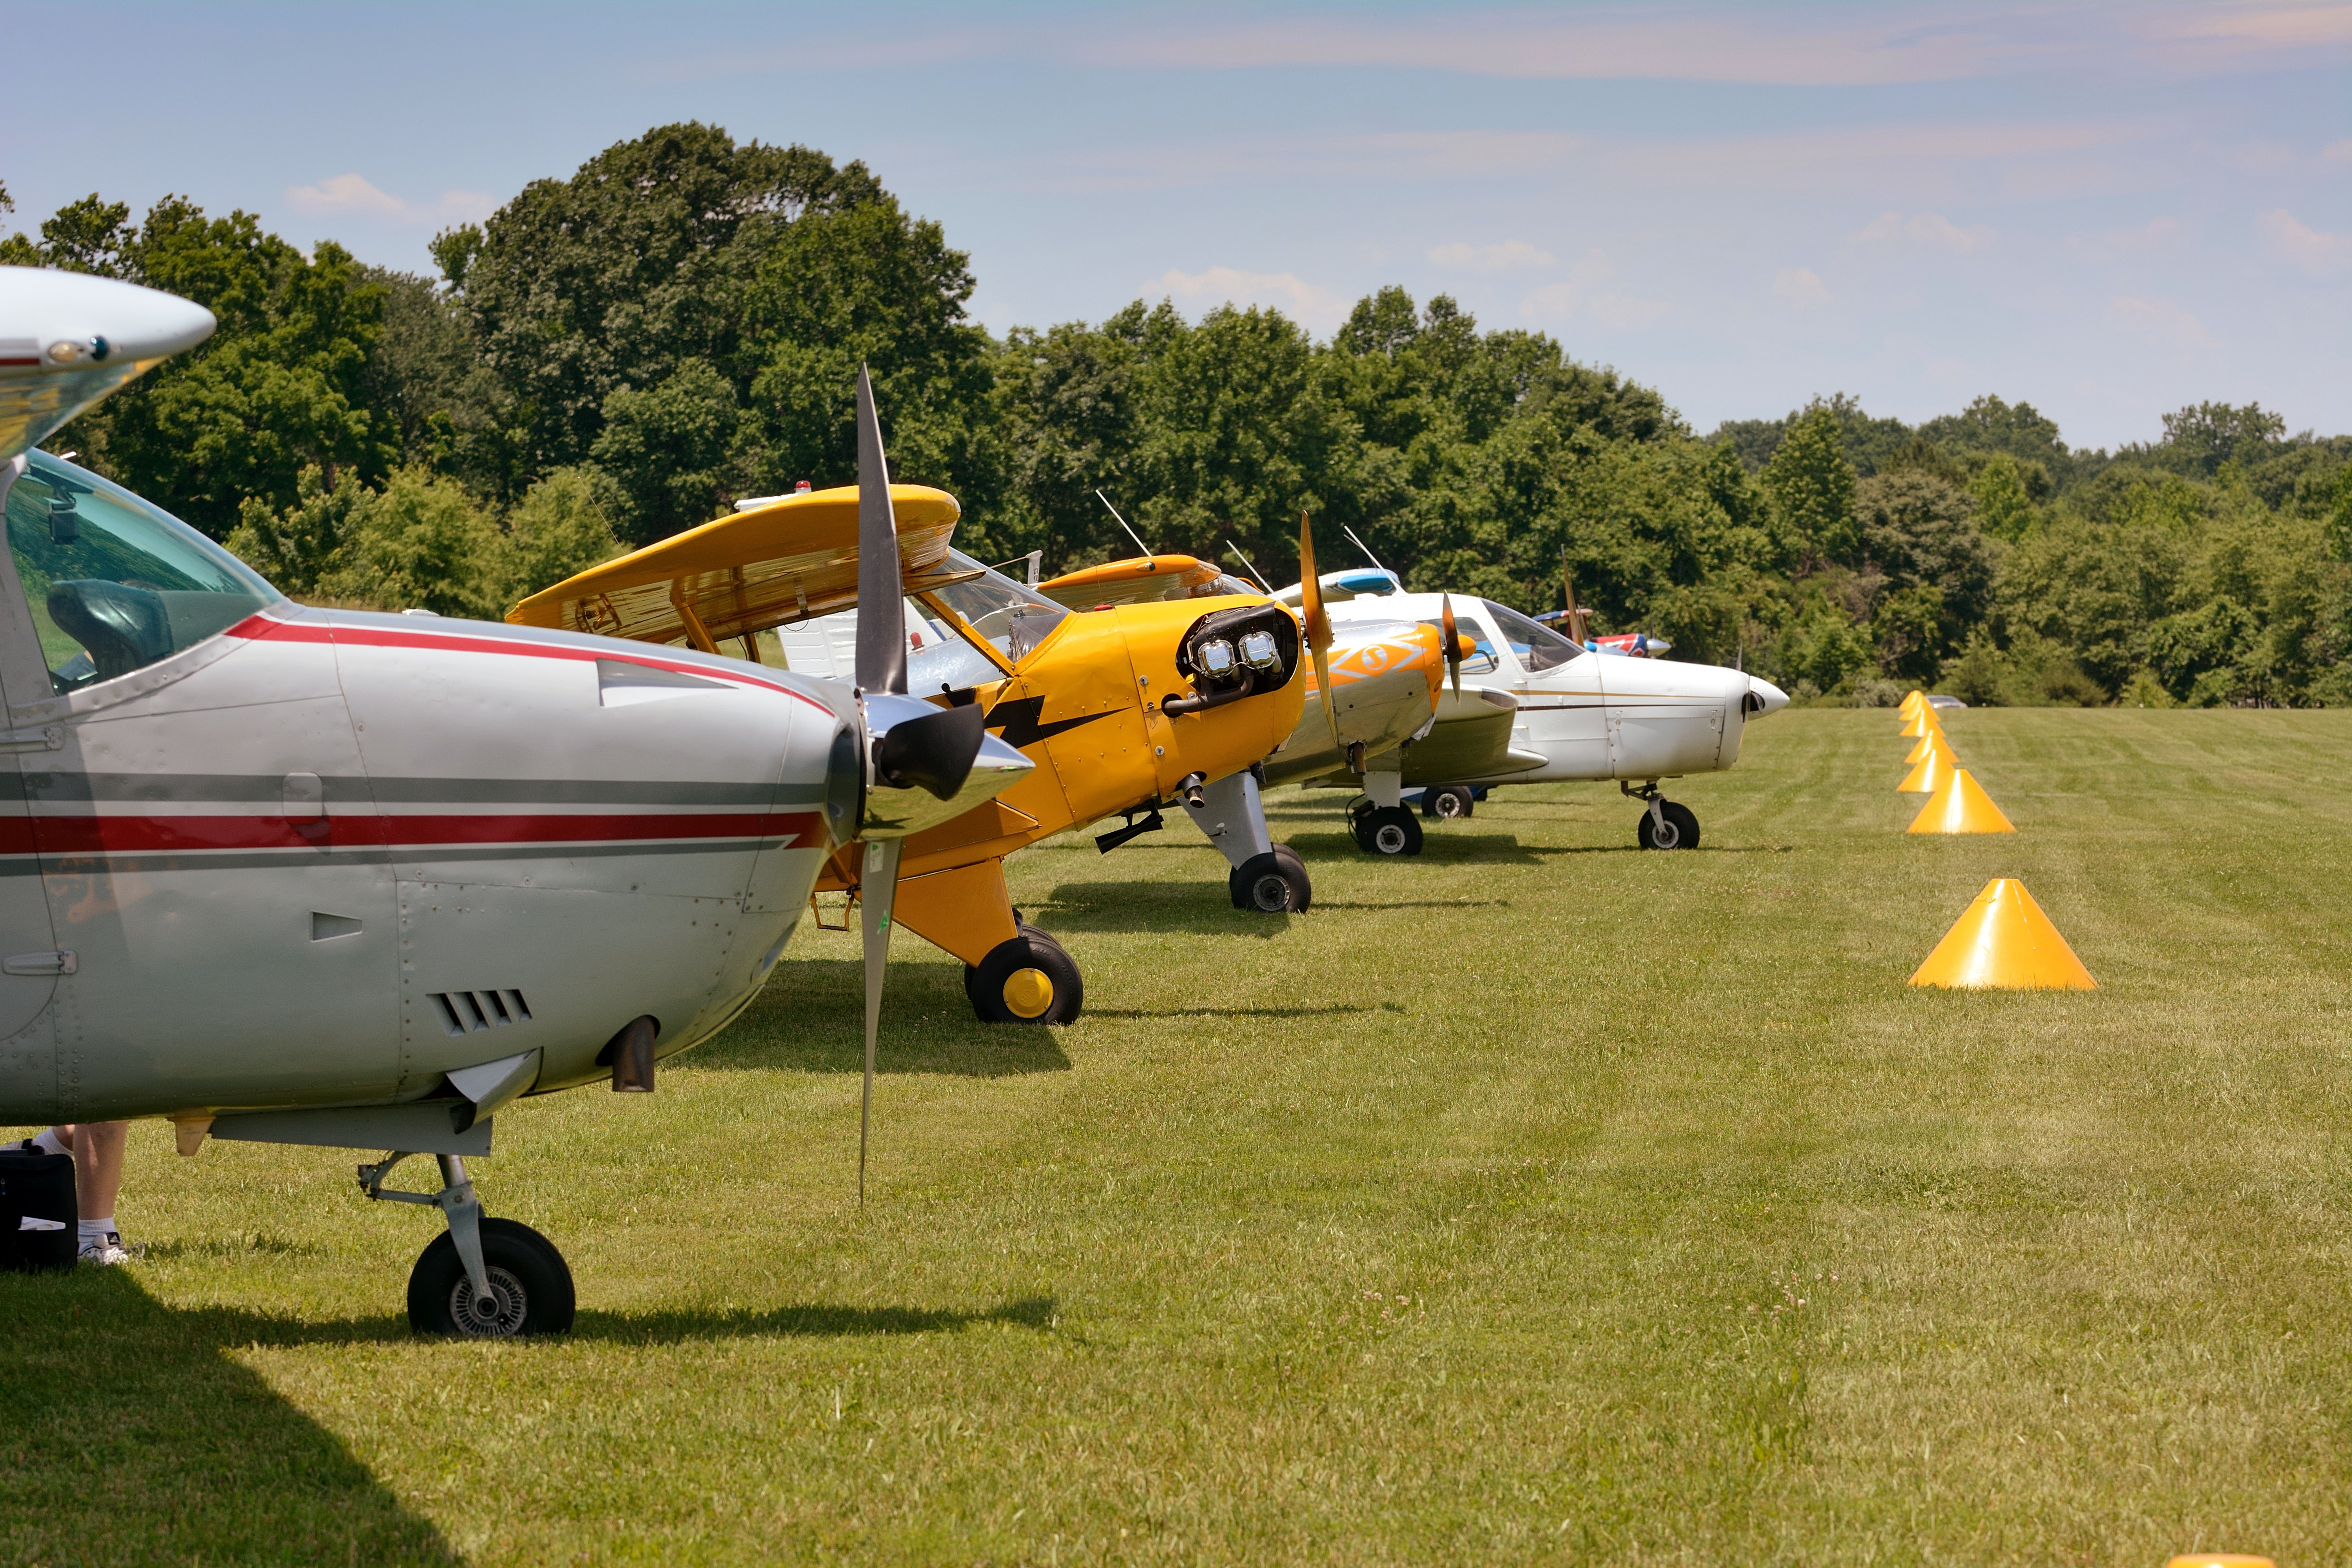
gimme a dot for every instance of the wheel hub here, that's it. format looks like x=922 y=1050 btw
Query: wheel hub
x=1028 y=993
x=1389 y=838
x=496 y=1316
x=1271 y=893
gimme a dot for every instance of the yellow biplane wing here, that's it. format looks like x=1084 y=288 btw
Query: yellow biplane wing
x=748 y=571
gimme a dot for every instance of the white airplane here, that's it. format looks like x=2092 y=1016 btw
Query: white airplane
x=1558 y=712
x=357 y=880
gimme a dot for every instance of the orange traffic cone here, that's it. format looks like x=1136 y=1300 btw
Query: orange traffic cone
x=1912 y=699
x=1962 y=805
x=2005 y=942
x=1934 y=768
x=2220 y=1559
x=1922 y=721
x=1921 y=747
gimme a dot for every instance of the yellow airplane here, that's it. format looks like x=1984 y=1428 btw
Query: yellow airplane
x=1384 y=678
x=1120 y=710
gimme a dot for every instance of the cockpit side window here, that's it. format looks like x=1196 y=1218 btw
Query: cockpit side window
x=1010 y=618
x=1535 y=646
x=114 y=582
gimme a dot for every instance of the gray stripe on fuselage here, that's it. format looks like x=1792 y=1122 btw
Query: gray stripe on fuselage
x=355 y=790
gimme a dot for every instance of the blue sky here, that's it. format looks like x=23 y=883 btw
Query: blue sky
x=2106 y=210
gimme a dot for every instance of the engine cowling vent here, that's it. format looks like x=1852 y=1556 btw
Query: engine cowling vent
x=475 y=1011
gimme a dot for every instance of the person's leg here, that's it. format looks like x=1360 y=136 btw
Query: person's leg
x=97 y=1167
x=97 y=1149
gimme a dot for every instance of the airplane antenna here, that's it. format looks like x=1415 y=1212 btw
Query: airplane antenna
x=1246 y=562
x=1122 y=522
x=1362 y=546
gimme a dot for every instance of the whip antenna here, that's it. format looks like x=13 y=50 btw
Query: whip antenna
x=1122 y=522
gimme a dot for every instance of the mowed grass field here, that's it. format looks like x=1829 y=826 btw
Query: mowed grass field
x=1537 y=1200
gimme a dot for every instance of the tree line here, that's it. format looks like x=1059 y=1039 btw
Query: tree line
x=617 y=356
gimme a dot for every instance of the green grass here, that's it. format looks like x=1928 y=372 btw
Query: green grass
x=1541 y=1200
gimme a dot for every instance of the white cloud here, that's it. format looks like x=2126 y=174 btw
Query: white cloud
x=1923 y=228
x=2308 y=249
x=1286 y=292
x=2161 y=321
x=2338 y=151
x=357 y=194
x=2108 y=244
x=1502 y=257
x=1799 y=286
x=1587 y=291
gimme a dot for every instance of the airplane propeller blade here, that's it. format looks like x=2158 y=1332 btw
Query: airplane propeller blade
x=881 y=579
x=1575 y=616
x=877 y=891
x=1453 y=643
x=1319 y=627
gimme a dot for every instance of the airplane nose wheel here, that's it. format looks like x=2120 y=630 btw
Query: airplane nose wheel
x=1449 y=803
x=1668 y=825
x=530 y=1288
x=1272 y=884
x=1387 y=830
x=1029 y=978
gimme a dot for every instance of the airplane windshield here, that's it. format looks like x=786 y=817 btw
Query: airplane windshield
x=1537 y=647
x=1011 y=618
x=115 y=583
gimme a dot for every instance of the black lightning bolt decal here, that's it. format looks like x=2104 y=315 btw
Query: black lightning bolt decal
x=1018 y=720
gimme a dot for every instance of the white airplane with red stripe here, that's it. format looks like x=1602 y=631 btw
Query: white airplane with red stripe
x=364 y=880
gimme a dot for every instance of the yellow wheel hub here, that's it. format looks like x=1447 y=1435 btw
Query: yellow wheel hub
x=1028 y=993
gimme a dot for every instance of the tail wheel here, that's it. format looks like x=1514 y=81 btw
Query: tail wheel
x=1388 y=830
x=1682 y=828
x=1029 y=978
x=530 y=1288
x=1272 y=884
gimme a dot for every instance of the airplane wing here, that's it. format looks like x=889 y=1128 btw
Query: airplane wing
x=749 y=571
x=1470 y=740
x=1133 y=581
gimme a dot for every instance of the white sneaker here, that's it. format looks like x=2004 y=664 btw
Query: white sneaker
x=105 y=1253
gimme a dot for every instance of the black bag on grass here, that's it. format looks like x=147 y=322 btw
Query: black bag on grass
x=37 y=1210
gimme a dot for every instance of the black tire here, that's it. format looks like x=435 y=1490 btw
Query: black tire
x=1447 y=803
x=1388 y=830
x=1305 y=887
x=1271 y=884
x=1029 y=978
x=1682 y=828
x=527 y=1278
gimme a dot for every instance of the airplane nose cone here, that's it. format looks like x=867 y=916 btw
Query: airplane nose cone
x=1770 y=697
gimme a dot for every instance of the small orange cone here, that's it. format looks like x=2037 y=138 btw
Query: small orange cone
x=1934 y=768
x=1922 y=721
x=2220 y=1559
x=1962 y=805
x=1920 y=748
x=1911 y=703
x=2005 y=942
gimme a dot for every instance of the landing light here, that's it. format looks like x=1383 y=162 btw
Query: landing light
x=1259 y=651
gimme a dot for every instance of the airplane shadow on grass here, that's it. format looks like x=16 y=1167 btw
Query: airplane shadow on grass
x=1446 y=848
x=808 y=1321
x=817 y=1024
x=133 y=1436
x=1205 y=908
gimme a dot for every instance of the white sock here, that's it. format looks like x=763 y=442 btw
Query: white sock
x=50 y=1144
x=96 y=1229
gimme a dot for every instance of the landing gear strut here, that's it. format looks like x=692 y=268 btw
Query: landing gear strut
x=1380 y=821
x=481 y=1279
x=1667 y=825
x=1266 y=876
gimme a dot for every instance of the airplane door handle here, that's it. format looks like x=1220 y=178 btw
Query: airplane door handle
x=48 y=738
x=57 y=963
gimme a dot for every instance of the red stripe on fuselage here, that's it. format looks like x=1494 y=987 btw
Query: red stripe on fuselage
x=263 y=626
x=131 y=835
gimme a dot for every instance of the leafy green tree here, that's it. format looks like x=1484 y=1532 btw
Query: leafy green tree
x=666 y=450
x=1812 y=490
x=2204 y=435
x=2004 y=508
x=279 y=386
x=562 y=526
